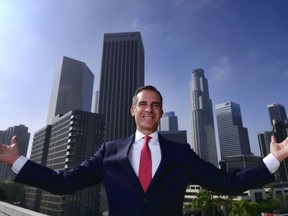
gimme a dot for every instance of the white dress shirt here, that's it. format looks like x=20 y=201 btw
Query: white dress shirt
x=135 y=151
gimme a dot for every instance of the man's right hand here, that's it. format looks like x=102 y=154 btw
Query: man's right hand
x=9 y=153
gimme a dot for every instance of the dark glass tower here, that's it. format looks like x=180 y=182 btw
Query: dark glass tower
x=277 y=112
x=203 y=133
x=122 y=72
x=72 y=88
x=233 y=137
x=23 y=137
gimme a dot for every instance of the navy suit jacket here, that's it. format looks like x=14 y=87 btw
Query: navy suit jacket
x=179 y=166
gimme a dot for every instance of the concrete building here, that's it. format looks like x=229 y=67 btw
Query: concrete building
x=72 y=137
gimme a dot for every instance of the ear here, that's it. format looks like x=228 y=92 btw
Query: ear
x=161 y=113
x=132 y=109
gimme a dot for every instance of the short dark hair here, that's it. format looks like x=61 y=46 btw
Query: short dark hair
x=149 y=88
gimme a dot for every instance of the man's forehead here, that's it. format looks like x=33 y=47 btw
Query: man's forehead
x=148 y=95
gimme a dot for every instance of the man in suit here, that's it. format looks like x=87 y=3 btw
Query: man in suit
x=117 y=164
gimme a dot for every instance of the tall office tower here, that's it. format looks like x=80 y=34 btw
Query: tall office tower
x=39 y=155
x=73 y=137
x=277 y=112
x=279 y=123
x=2 y=136
x=233 y=137
x=203 y=133
x=264 y=140
x=168 y=128
x=122 y=72
x=72 y=88
x=169 y=122
x=23 y=136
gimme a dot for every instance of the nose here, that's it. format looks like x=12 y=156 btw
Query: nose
x=148 y=108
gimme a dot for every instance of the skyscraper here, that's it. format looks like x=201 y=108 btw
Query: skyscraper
x=202 y=123
x=168 y=122
x=168 y=128
x=23 y=137
x=122 y=72
x=277 y=112
x=233 y=137
x=72 y=88
x=73 y=134
x=279 y=123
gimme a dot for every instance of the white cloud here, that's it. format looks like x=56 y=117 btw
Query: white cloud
x=222 y=69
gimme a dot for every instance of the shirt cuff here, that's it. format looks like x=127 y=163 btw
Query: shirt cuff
x=18 y=164
x=271 y=163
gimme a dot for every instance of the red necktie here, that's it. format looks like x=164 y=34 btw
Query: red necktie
x=145 y=166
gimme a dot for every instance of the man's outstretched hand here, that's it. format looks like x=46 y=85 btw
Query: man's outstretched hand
x=279 y=150
x=9 y=153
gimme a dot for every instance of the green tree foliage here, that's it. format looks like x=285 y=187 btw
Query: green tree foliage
x=14 y=192
x=3 y=196
x=228 y=207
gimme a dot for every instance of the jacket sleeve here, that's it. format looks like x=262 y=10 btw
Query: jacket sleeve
x=233 y=183
x=87 y=174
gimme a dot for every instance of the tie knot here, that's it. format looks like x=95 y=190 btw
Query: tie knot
x=147 y=138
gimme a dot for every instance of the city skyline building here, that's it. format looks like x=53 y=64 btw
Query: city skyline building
x=122 y=72
x=73 y=134
x=202 y=122
x=276 y=112
x=74 y=137
x=168 y=128
x=169 y=122
x=23 y=137
x=72 y=88
x=39 y=154
x=279 y=125
x=233 y=137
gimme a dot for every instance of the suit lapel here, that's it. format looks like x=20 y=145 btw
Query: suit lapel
x=123 y=151
x=167 y=151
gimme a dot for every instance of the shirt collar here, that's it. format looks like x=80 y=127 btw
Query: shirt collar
x=139 y=135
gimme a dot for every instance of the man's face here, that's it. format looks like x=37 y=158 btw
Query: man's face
x=147 y=111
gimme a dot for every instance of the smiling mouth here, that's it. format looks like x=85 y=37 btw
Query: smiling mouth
x=148 y=117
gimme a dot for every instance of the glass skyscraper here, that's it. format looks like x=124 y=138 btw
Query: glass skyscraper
x=233 y=137
x=122 y=72
x=168 y=122
x=277 y=112
x=72 y=88
x=202 y=123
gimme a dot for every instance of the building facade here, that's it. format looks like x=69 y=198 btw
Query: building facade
x=279 y=125
x=122 y=72
x=233 y=137
x=277 y=112
x=23 y=137
x=73 y=137
x=202 y=123
x=168 y=122
x=72 y=88
x=39 y=155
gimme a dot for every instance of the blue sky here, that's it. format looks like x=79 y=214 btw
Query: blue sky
x=241 y=45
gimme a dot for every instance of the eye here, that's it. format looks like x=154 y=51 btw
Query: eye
x=142 y=103
x=156 y=105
